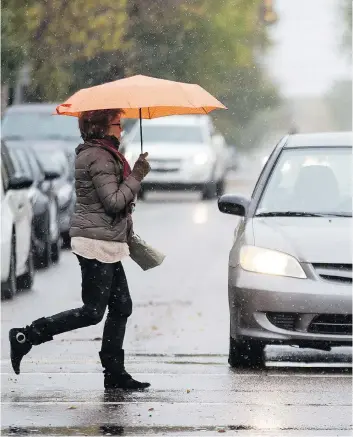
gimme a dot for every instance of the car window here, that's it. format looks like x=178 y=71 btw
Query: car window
x=170 y=134
x=39 y=126
x=313 y=180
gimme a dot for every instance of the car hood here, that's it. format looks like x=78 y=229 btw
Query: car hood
x=169 y=150
x=62 y=144
x=309 y=239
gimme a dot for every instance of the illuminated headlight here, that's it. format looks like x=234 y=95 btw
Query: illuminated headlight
x=270 y=262
x=201 y=159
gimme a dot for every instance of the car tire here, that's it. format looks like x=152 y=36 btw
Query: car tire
x=249 y=354
x=25 y=281
x=9 y=287
x=209 y=191
x=66 y=240
x=220 y=188
x=56 y=251
x=141 y=195
x=45 y=258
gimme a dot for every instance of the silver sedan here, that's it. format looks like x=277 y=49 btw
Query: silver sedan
x=290 y=267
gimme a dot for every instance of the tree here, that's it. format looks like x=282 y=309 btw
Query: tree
x=207 y=42
x=65 y=31
x=13 y=39
x=72 y=44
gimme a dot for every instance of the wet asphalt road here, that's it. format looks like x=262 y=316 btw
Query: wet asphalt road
x=177 y=338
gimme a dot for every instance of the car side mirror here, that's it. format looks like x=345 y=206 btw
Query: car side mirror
x=20 y=182
x=233 y=204
x=51 y=175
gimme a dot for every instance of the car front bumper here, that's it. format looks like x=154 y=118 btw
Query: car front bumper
x=65 y=214
x=283 y=310
x=172 y=186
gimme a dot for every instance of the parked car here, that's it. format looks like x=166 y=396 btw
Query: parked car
x=46 y=231
x=17 y=269
x=56 y=161
x=34 y=124
x=290 y=267
x=185 y=153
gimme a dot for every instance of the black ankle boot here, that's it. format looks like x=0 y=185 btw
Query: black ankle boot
x=124 y=381
x=115 y=375
x=22 y=340
x=20 y=346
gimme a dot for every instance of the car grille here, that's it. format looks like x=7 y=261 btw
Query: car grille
x=335 y=272
x=340 y=324
x=283 y=320
x=165 y=165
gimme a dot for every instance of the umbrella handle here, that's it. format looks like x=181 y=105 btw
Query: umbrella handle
x=140 y=113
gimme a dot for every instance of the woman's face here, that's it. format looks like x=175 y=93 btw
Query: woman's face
x=115 y=127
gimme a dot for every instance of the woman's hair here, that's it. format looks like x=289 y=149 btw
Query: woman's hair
x=95 y=124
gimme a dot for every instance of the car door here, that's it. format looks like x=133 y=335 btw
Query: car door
x=22 y=212
x=7 y=221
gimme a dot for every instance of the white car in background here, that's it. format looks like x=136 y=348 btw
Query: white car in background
x=185 y=153
x=17 y=268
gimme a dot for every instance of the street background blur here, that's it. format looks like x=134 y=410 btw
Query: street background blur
x=280 y=67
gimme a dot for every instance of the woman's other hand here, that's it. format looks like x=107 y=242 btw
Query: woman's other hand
x=141 y=167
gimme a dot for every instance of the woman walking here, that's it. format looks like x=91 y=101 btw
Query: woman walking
x=101 y=228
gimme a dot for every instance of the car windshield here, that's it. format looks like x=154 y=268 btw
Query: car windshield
x=170 y=134
x=310 y=181
x=39 y=126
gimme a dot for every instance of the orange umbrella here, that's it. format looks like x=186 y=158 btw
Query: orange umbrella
x=142 y=97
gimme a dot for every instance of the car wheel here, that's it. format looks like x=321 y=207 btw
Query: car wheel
x=220 y=188
x=209 y=191
x=66 y=240
x=141 y=195
x=246 y=354
x=9 y=287
x=25 y=281
x=45 y=258
x=56 y=250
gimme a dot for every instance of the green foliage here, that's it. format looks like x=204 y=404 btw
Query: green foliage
x=71 y=44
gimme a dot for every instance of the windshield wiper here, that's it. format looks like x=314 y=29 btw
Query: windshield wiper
x=288 y=214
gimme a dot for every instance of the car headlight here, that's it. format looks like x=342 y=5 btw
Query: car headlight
x=64 y=194
x=201 y=158
x=270 y=262
x=33 y=195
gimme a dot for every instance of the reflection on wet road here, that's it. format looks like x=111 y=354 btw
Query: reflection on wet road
x=177 y=339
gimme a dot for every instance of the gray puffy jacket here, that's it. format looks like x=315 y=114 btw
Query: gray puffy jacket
x=102 y=196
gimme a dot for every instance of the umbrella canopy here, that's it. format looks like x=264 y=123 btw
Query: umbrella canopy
x=142 y=97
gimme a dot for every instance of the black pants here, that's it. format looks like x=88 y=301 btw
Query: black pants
x=103 y=285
